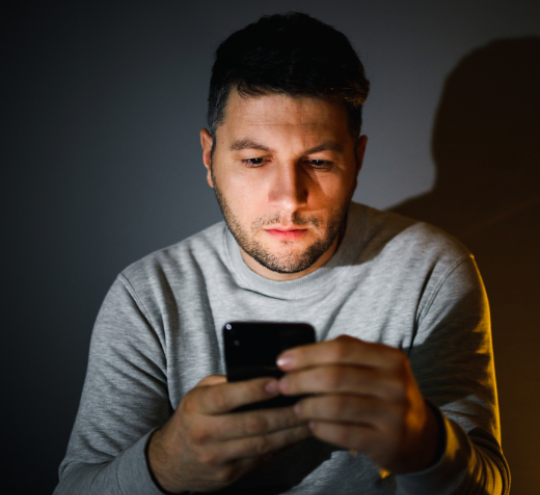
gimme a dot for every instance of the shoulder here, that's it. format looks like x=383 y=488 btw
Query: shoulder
x=420 y=265
x=391 y=234
x=179 y=261
x=401 y=249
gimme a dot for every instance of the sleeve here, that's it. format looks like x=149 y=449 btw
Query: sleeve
x=124 y=399
x=452 y=360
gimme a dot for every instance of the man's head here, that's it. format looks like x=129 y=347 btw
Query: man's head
x=283 y=151
x=294 y=55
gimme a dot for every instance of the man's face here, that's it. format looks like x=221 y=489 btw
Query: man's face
x=284 y=170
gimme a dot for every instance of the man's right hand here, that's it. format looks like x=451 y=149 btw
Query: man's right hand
x=205 y=447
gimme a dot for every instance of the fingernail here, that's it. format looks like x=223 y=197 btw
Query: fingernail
x=284 y=361
x=272 y=387
x=297 y=408
x=311 y=425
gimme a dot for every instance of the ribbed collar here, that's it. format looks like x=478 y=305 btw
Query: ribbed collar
x=321 y=280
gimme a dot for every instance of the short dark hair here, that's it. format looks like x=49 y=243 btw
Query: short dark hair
x=291 y=54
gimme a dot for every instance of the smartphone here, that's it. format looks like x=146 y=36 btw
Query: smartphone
x=251 y=350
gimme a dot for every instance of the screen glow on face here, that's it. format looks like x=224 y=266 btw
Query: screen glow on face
x=284 y=171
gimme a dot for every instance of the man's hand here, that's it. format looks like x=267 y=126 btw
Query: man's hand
x=205 y=447
x=365 y=398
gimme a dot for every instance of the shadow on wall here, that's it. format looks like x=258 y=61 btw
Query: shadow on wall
x=486 y=146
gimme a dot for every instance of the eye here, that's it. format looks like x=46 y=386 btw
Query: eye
x=320 y=164
x=253 y=162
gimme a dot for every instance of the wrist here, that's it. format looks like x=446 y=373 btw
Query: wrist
x=432 y=441
x=157 y=459
x=440 y=446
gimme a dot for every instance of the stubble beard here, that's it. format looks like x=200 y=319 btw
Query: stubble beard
x=289 y=261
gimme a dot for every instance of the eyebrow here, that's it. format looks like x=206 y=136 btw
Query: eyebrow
x=326 y=146
x=242 y=144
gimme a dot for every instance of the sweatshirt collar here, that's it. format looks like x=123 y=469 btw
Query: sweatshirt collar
x=321 y=280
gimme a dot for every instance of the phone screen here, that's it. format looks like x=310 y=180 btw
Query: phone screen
x=251 y=350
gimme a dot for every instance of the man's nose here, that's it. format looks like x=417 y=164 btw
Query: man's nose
x=288 y=188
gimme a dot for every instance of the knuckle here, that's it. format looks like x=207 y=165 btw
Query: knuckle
x=256 y=424
x=300 y=432
x=400 y=412
x=340 y=349
x=209 y=458
x=399 y=391
x=262 y=445
x=333 y=377
x=338 y=405
x=286 y=418
x=359 y=442
x=225 y=474
x=394 y=386
x=395 y=391
x=219 y=400
x=294 y=435
x=398 y=360
x=199 y=435
x=188 y=403
x=343 y=436
x=397 y=419
x=303 y=408
x=252 y=388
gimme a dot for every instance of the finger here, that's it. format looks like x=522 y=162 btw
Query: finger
x=344 y=379
x=346 y=436
x=365 y=411
x=342 y=350
x=263 y=445
x=212 y=380
x=255 y=423
x=226 y=397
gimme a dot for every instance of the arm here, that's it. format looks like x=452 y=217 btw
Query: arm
x=126 y=428
x=452 y=360
x=124 y=399
x=371 y=398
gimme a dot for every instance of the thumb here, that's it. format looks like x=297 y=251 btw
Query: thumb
x=211 y=380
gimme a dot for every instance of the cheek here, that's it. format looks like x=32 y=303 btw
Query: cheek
x=331 y=191
x=244 y=197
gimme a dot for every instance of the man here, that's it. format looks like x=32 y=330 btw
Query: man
x=400 y=387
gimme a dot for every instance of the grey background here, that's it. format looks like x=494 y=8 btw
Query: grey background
x=101 y=107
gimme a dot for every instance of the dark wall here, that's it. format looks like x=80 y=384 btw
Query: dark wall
x=486 y=145
x=101 y=107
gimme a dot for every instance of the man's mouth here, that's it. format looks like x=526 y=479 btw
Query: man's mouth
x=291 y=234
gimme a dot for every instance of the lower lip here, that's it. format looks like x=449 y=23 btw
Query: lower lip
x=287 y=234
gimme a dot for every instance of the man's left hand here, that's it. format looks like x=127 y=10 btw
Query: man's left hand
x=363 y=397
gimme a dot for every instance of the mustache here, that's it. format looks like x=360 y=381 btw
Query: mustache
x=296 y=220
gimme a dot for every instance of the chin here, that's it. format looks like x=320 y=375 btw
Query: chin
x=286 y=260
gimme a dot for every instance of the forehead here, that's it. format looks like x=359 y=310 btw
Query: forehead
x=284 y=111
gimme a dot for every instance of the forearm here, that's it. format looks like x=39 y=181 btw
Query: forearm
x=468 y=466
x=127 y=473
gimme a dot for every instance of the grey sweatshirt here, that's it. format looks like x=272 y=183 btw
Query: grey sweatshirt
x=392 y=280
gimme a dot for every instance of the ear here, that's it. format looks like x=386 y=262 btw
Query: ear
x=206 y=143
x=360 y=151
